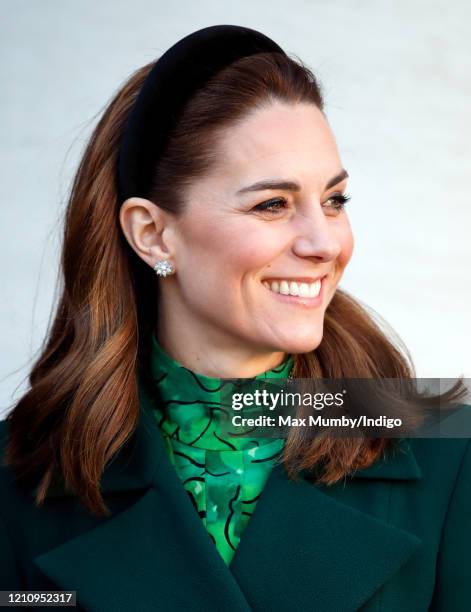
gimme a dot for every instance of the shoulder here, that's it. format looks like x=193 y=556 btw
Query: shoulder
x=445 y=466
x=3 y=435
x=18 y=499
x=448 y=448
x=439 y=456
x=5 y=470
x=26 y=528
x=11 y=512
x=11 y=493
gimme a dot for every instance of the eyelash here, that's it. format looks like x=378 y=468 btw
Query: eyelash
x=339 y=198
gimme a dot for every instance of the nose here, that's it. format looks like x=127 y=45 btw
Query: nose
x=317 y=236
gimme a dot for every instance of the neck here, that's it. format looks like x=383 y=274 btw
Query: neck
x=217 y=360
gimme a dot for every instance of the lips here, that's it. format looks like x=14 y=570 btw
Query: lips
x=296 y=279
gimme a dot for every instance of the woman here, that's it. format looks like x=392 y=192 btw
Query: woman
x=205 y=238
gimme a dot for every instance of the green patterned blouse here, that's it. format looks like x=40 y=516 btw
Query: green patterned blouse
x=224 y=476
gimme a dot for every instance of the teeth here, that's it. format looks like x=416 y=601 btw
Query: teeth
x=284 y=288
x=314 y=289
x=304 y=290
x=293 y=288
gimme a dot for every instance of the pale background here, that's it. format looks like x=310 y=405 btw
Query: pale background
x=396 y=77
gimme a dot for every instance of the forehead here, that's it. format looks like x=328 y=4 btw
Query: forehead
x=280 y=140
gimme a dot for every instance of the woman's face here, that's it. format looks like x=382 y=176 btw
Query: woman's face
x=226 y=248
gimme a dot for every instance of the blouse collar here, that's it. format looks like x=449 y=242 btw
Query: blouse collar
x=189 y=407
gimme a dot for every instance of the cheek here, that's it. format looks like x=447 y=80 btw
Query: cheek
x=235 y=248
x=346 y=241
x=218 y=258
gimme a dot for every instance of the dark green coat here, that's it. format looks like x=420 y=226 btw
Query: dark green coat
x=396 y=536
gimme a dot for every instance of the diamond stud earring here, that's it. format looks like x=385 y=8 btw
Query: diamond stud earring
x=164 y=267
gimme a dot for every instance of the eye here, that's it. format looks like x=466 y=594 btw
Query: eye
x=339 y=200
x=272 y=206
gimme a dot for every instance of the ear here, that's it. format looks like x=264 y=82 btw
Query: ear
x=147 y=228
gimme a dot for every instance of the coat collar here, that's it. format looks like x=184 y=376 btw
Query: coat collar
x=297 y=548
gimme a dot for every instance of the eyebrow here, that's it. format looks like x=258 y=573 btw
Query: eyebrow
x=289 y=185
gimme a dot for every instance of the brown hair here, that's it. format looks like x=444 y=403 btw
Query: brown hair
x=82 y=405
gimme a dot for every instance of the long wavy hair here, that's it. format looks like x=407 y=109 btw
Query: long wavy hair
x=82 y=404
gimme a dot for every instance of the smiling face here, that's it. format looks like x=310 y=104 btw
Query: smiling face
x=226 y=246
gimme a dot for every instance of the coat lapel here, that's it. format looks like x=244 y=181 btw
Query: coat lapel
x=155 y=555
x=301 y=548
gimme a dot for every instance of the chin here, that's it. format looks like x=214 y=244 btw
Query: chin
x=305 y=343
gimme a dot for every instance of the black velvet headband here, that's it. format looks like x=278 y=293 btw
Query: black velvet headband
x=185 y=67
